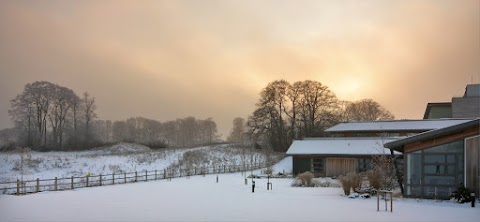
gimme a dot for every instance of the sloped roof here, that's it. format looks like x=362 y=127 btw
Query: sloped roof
x=341 y=146
x=396 y=125
x=397 y=145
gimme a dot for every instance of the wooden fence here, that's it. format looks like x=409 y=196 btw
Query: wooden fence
x=57 y=184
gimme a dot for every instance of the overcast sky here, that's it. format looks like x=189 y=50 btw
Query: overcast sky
x=171 y=59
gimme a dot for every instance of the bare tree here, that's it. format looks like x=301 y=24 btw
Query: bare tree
x=63 y=100
x=89 y=108
x=285 y=112
x=367 y=110
x=119 y=130
x=32 y=107
x=317 y=100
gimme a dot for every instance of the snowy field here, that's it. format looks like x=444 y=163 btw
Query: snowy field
x=202 y=199
x=120 y=158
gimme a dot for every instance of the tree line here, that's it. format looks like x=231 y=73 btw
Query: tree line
x=48 y=116
x=287 y=112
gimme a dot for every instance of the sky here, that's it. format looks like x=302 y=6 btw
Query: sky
x=172 y=59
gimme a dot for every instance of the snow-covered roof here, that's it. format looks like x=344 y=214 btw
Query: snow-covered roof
x=396 y=125
x=341 y=146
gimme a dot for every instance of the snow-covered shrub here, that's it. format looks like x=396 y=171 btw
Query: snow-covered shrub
x=324 y=184
x=350 y=181
x=115 y=168
x=268 y=171
x=356 y=180
x=304 y=180
x=346 y=184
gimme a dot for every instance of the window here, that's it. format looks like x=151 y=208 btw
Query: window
x=318 y=165
x=435 y=171
x=364 y=164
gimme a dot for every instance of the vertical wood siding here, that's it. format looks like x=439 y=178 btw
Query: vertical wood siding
x=337 y=166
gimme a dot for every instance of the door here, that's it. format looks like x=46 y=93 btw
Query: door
x=337 y=166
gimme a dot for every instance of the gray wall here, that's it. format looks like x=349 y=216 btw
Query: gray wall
x=466 y=107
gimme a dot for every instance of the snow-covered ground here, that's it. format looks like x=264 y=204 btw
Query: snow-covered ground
x=200 y=198
x=120 y=158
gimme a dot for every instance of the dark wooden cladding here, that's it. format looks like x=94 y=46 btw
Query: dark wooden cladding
x=441 y=140
x=472 y=160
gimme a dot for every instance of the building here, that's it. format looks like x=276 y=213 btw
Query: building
x=333 y=157
x=467 y=106
x=438 y=110
x=353 y=145
x=390 y=128
x=438 y=161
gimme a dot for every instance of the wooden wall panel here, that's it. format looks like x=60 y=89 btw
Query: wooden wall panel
x=340 y=166
x=473 y=164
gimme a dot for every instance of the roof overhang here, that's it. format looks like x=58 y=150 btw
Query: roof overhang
x=399 y=145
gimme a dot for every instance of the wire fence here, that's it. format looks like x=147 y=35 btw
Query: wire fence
x=20 y=187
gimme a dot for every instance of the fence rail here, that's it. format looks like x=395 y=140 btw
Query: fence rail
x=69 y=183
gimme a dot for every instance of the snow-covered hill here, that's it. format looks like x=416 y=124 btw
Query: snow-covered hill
x=119 y=158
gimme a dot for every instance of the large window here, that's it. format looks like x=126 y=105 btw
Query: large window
x=436 y=171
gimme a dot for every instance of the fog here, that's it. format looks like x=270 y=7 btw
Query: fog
x=171 y=59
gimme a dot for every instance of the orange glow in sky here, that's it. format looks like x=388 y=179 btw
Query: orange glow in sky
x=170 y=59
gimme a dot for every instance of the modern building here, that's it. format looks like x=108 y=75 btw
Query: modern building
x=438 y=110
x=438 y=161
x=353 y=145
x=390 y=128
x=467 y=106
x=333 y=157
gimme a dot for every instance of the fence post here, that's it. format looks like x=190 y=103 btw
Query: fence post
x=155 y=174
x=38 y=185
x=87 y=180
x=100 y=179
x=195 y=171
x=56 y=184
x=135 y=176
x=146 y=175
x=125 y=177
x=72 y=182
x=224 y=169
x=164 y=173
x=18 y=187
x=113 y=178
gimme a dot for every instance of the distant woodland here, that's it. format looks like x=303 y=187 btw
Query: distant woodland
x=48 y=116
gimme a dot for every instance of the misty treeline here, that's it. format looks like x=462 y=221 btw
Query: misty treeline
x=48 y=116
x=287 y=112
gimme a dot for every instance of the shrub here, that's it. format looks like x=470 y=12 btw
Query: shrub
x=8 y=146
x=268 y=171
x=346 y=184
x=351 y=181
x=375 y=178
x=306 y=178
x=355 y=180
x=462 y=194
